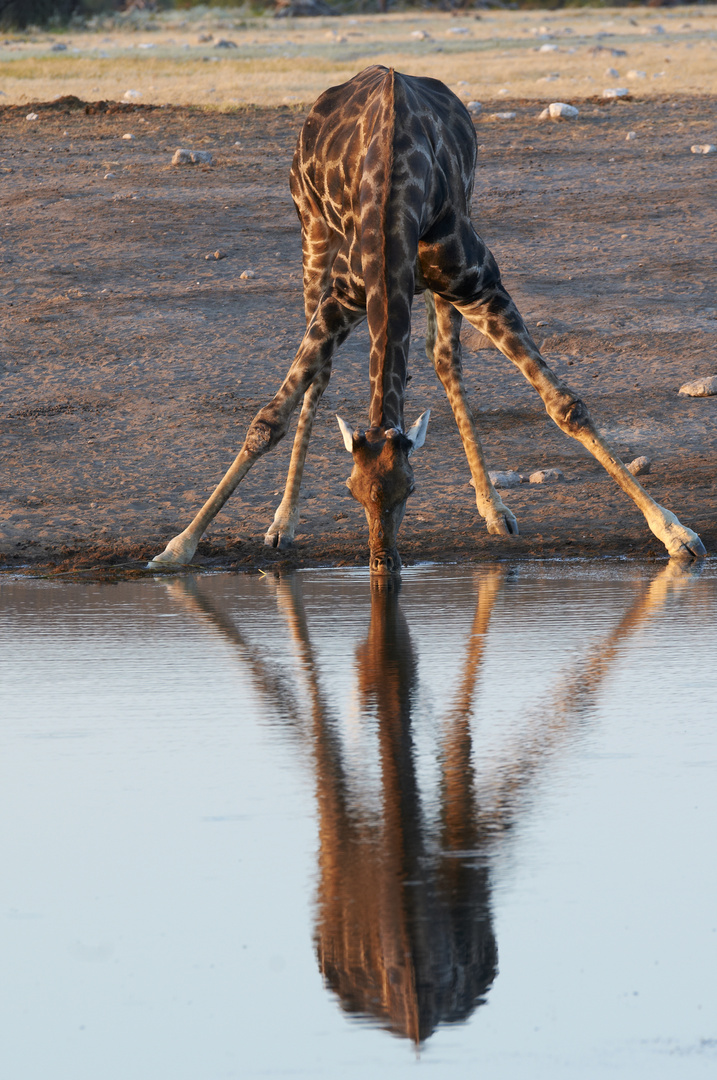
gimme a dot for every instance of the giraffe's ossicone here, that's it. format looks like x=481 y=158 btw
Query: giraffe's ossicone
x=382 y=180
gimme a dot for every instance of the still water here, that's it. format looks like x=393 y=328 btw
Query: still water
x=259 y=827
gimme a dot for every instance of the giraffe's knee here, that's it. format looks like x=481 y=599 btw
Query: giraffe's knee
x=569 y=412
x=263 y=434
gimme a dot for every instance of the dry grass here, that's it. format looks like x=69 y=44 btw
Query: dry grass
x=552 y=55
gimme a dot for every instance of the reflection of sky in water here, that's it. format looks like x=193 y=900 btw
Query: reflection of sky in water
x=160 y=746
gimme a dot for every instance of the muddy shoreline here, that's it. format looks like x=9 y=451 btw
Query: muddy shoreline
x=131 y=364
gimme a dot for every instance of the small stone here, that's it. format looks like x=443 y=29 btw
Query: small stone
x=225 y=43
x=546 y=476
x=630 y=136
x=507 y=479
x=705 y=387
x=421 y=35
x=192 y=157
x=59 y=46
x=247 y=274
x=541 y=322
x=131 y=95
x=474 y=107
x=611 y=72
x=216 y=256
x=503 y=116
x=205 y=37
x=128 y=135
x=558 y=110
x=636 y=74
x=547 y=48
x=640 y=466
x=31 y=116
x=698 y=148
x=110 y=176
x=616 y=91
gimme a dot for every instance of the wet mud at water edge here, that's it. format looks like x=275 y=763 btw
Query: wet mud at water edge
x=131 y=364
x=294 y=824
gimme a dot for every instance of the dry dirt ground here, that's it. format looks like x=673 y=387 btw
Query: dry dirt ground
x=130 y=365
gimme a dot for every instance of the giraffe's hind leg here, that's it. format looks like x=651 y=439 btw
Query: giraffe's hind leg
x=495 y=315
x=444 y=323
x=282 y=531
x=329 y=326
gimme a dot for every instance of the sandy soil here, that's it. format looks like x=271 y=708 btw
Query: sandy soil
x=221 y=59
x=130 y=365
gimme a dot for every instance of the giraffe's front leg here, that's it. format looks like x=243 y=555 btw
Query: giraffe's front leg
x=495 y=315
x=282 y=531
x=443 y=345
x=329 y=326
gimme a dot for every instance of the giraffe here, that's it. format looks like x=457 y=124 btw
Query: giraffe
x=382 y=180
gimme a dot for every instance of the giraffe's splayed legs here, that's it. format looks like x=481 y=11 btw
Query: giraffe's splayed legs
x=495 y=315
x=327 y=329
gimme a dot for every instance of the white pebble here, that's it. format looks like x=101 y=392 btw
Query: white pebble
x=503 y=116
x=192 y=157
x=636 y=74
x=457 y=30
x=130 y=95
x=507 y=479
x=128 y=135
x=640 y=466
x=421 y=35
x=630 y=136
x=548 y=48
x=616 y=91
x=558 y=110
x=705 y=387
x=698 y=148
x=546 y=476
x=110 y=176
x=474 y=107
x=31 y=116
x=247 y=274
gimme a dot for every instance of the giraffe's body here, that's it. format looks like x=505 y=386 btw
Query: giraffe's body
x=382 y=181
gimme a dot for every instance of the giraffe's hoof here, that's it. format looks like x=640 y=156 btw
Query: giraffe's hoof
x=681 y=542
x=277 y=539
x=503 y=524
x=178 y=552
x=691 y=549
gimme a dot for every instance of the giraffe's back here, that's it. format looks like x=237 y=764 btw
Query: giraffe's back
x=385 y=138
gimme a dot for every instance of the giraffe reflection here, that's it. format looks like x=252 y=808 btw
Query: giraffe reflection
x=404 y=928
x=403 y=917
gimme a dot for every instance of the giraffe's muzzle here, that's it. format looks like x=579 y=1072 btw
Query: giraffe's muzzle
x=385 y=563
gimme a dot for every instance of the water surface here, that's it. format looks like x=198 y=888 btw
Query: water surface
x=295 y=827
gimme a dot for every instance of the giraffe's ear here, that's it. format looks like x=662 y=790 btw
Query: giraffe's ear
x=417 y=434
x=346 y=432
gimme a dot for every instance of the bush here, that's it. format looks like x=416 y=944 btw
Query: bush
x=18 y=14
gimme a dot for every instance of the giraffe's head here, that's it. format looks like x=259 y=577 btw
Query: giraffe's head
x=382 y=480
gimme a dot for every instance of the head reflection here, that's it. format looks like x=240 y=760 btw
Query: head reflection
x=403 y=914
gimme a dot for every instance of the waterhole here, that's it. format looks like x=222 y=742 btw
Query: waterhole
x=260 y=827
